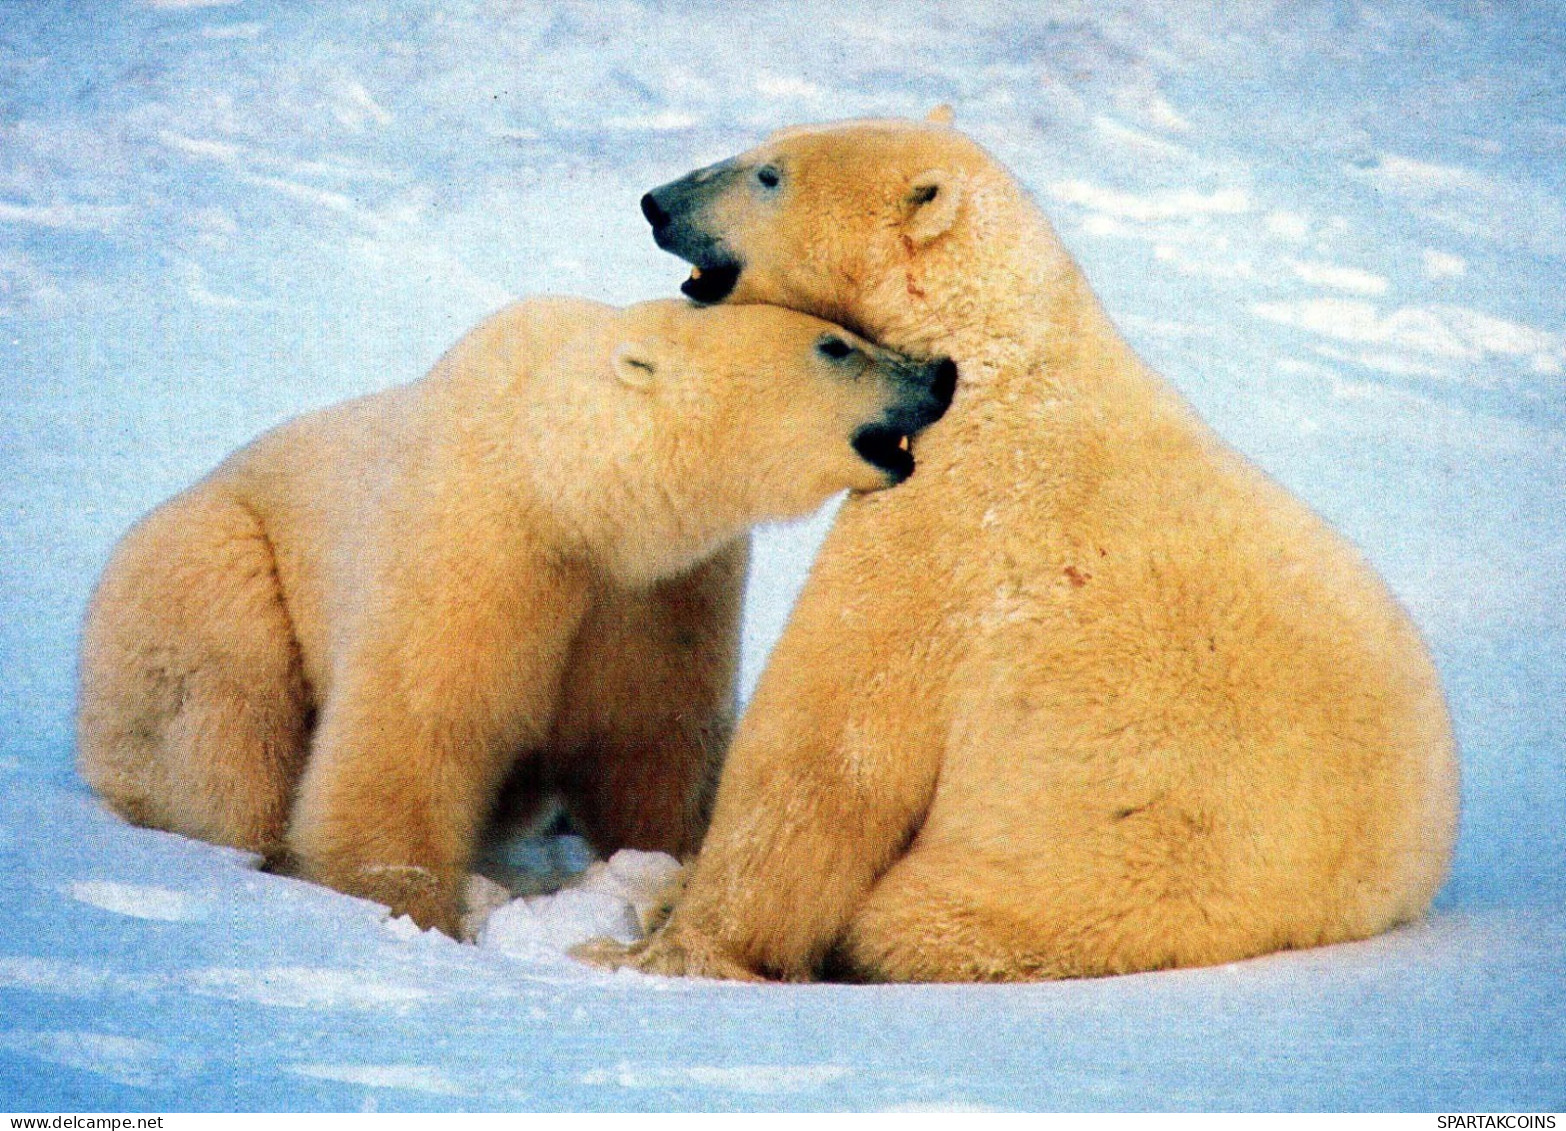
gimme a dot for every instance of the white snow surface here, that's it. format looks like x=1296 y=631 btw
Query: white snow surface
x=1339 y=228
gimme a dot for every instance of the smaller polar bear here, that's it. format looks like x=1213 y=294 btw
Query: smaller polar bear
x=334 y=649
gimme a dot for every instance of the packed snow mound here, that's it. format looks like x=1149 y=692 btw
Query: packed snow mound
x=540 y=913
x=618 y=898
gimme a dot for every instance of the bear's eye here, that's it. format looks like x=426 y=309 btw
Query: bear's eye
x=835 y=348
x=768 y=176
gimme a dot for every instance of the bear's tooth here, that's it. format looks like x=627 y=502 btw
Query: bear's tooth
x=903 y=443
x=695 y=272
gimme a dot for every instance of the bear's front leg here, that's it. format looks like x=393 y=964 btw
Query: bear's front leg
x=426 y=712
x=389 y=808
x=828 y=778
x=647 y=707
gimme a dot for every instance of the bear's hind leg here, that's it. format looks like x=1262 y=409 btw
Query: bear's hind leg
x=193 y=706
x=921 y=923
x=953 y=913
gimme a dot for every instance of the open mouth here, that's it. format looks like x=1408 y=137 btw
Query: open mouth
x=887 y=448
x=713 y=284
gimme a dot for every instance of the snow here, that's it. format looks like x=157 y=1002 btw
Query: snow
x=1338 y=228
x=617 y=899
x=140 y=901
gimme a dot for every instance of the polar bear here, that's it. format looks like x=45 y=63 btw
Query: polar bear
x=334 y=648
x=1091 y=694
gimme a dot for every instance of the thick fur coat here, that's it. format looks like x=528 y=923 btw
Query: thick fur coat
x=1091 y=694
x=335 y=648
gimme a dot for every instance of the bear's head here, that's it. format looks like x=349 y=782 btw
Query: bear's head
x=861 y=222
x=682 y=426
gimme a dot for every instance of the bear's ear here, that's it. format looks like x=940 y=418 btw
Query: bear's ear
x=942 y=115
x=636 y=365
x=934 y=199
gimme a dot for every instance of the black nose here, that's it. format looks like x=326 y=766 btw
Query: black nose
x=656 y=216
x=945 y=384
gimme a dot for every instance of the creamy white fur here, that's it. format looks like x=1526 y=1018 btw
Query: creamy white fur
x=335 y=648
x=1091 y=694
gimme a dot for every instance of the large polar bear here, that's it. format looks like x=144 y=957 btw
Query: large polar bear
x=1091 y=694
x=382 y=606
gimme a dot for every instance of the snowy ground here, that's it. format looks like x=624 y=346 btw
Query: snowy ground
x=1340 y=228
